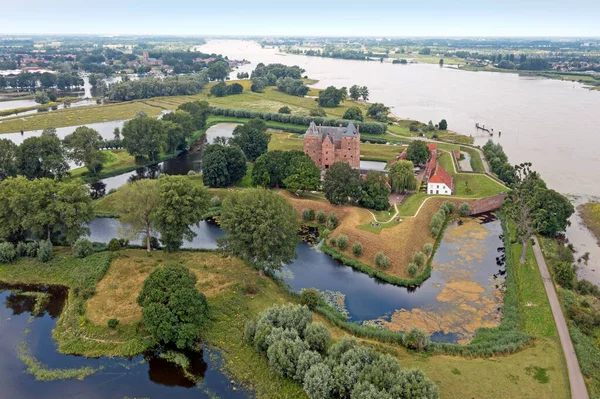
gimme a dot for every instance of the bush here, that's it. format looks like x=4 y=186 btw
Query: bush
x=154 y=243
x=428 y=248
x=382 y=261
x=318 y=382
x=82 y=248
x=332 y=221
x=413 y=269
x=31 y=249
x=333 y=241
x=113 y=323
x=342 y=241
x=215 y=201
x=434 y=231
x=585 y=287
x=565 y=275
x=116 y=244
x=325 y=234
x=308 y=214
x=45 y=252
x=284 y=354
x=419 y=258
x=357 y=248
x=8 y=253
x=285 y=110
x=416 y=339
x=305 y=361
x=250 y=331
x=317 y=337
x=321 y=217
x=449 y=207
x=310 y=297
x=464 y=209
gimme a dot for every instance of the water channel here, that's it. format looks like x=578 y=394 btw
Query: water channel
x=141 y=376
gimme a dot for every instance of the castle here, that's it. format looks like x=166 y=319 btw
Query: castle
x=328 y=144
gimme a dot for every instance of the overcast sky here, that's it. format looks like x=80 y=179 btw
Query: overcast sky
x=306 y=18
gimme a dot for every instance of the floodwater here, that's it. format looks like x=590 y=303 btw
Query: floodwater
x=79 y=103
x=105 y=129
x=4 y=105
x=551 y=123
x=141 y=376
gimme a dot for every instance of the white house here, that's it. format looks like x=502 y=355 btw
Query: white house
x=440 y=182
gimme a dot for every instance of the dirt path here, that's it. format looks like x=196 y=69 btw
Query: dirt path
x=392 y=218
x=578 y=389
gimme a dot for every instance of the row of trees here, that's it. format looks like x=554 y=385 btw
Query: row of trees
x=356 y=92
x=64 y=81
x=342 y=185
x=498 y=161
x=293 y=170
x=291 y=86
x=154 y=87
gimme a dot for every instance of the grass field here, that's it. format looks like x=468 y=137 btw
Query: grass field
x=115 y=160
x=470 y=185
x=590 y=213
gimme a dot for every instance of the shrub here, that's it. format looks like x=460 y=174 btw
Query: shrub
x=413 y=269
x=434 y=231
x=357 y=248
x=318 y=381
x=45 y=252
x=154 y=243
x=381 y=260
x=8 y=253
x=321 y=217
x=215 y=201
x=416 y=339
x=464 y=209
x=284 y=354
x=585 y=287
x=113 y=323
x=250 y=288
x=114 y=244
x=32 y=248
x=333 y=241
x=310 y=297
x=191 y=173
x=449 y=207
x=82 y=248
x=342 y=241
x=419 y=258
x=317 y=337
x=305 y=361
x=428 y=248
x=565 y=275
x=285 y=110
x=21 y=248
x=332 y=221
x=308 y=214
x=325 y=233
x=250 y=331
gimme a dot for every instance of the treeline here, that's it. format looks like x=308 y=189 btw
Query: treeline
x=498 y=160
x=153 y=87
x=294 y=87
x=365 y=127
x=270 y=75
x=29 y=81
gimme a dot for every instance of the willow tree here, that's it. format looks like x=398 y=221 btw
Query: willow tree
x=402 y=176
x=136 y=203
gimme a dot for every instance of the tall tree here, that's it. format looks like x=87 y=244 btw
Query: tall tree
x=222 y=165
x=144 y=137
x=218 y=70
x=353 y=113
x=83 y=147
x=354 y=92
x=341 y=184
x=302 y=173
x=374 y=191
x=183 y=119
x=43 y=156
x=402 y=176
x=364 y=93
x=252 y=138
x=175 y=137
x=417 y=152
x=136 y=203
x=261 y=226
x=74 y=209
x=332 y=96
x=15 y=207
x=181 y=205
x=199 y=111
x=8 y=158
x=270 y=169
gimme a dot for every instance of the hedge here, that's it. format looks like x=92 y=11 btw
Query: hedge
x=365 y=127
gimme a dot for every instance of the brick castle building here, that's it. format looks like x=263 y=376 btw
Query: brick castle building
x=328 y=144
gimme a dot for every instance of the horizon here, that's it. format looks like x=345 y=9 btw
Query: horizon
x=434 y=18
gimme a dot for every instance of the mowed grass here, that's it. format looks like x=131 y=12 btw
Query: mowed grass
x=472 y=185
x=114 y=160
x=590 y=213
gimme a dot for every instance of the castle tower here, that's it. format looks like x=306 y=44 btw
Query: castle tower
x=312 y=144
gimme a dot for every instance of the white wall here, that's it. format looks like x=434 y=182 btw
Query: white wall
x=435 y=188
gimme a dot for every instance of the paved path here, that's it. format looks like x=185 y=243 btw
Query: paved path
x=578 y=389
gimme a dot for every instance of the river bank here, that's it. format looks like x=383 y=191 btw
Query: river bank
x=590 y=214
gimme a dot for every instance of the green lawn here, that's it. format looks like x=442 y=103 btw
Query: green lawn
x=114 y=160
x=476 y=162
x=470 y=185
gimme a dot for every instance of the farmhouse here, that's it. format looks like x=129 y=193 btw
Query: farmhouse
x=439 y=181
x=328 y=144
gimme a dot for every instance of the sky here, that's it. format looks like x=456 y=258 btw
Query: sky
x=306 y=18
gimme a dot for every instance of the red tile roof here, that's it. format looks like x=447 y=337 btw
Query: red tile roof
x=440 y=176
x=432 y=146
x=431 y=163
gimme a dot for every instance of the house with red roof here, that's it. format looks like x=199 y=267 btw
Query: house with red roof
x=440 y=182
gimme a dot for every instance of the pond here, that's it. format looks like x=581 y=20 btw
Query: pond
x=463 y=293
x=373 y=165
x=141 y=376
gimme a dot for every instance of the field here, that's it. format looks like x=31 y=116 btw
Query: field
x=114 y=160
x=470 y=184
x=590 y=213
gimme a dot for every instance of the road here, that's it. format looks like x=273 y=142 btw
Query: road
x=578 y=389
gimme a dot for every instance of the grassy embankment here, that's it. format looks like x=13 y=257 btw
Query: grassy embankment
x=236 y=294
x=590 y=213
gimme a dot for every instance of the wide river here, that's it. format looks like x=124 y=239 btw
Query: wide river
x=551 y=123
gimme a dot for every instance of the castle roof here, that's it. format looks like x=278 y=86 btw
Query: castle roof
x=334 y=132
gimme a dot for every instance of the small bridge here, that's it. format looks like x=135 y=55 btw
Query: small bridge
x=488 y=204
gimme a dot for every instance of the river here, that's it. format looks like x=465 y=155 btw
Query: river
x=551 y=123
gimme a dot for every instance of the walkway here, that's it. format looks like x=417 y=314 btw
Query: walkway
x=578 y=389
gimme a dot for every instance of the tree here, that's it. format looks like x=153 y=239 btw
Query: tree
x=42 y=156
x=375 y=192
x=378 y=111
x=136 y=203
x=318 y=381
x=294 y=87
x=354 y=92
x=74 y=210
x=222 y=166
x=219 y=90
x=174 y=135
x=234 y=88
x=199 y=110
x=183 y=119
x=364 y=93
x=301 y=173
x=341 y=184
x=252 y=138
x=41 y=97
x=270 y=169
x=181 y=205
x=317 y=111
x=83 y=147
x=144 y=137
x=331 y=97
x=353 y=113
x=218 y=70
x=261 y=226
x=285 y=110
x=417 y=152
x=8 y=158
x=443 y=125
x=172 y=308
x=402 y=176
